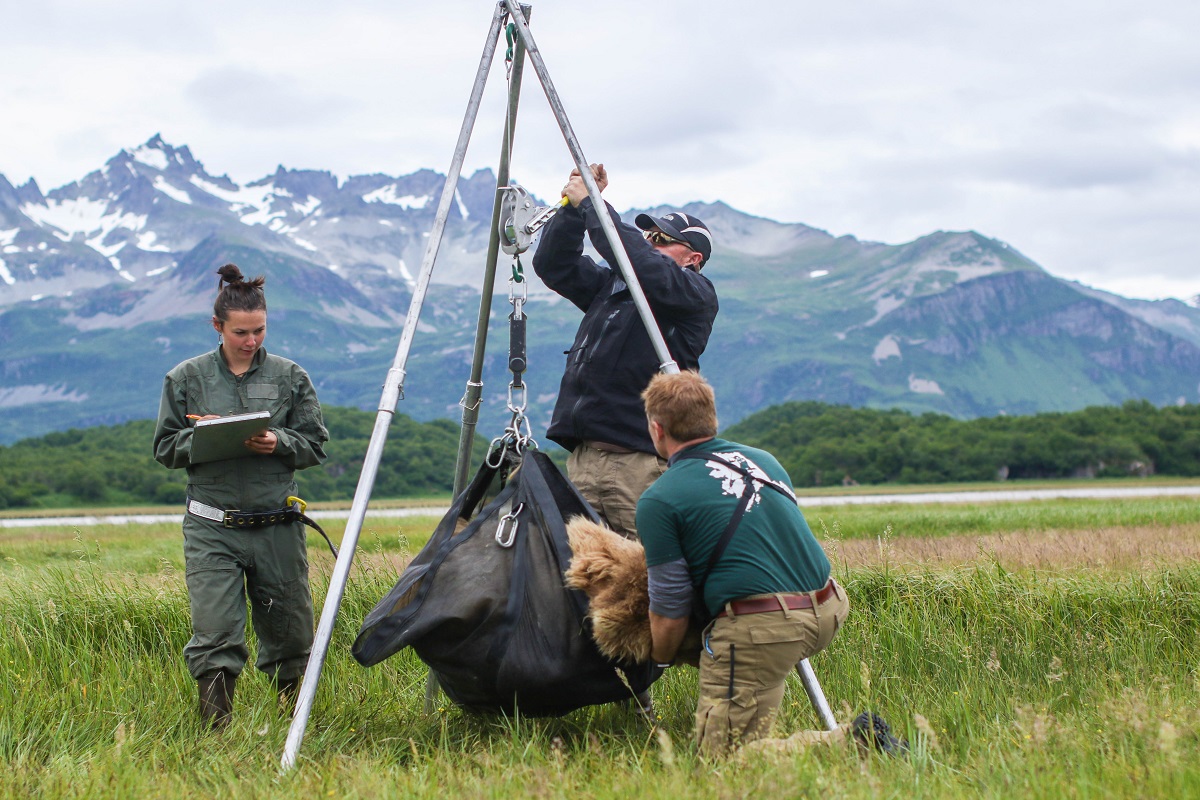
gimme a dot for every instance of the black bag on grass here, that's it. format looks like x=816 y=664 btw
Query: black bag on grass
x=484 y=604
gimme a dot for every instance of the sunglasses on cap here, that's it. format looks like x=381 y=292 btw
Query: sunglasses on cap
x=660 y=239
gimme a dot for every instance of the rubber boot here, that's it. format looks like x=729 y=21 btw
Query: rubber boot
x=216 y=698
x=288 y=688
x=870 y=731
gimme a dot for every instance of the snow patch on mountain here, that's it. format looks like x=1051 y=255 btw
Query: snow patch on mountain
x=146 y=241
x=888 y=347
x=883 y=306
x=152 y=157
x=178 y=195
x=251 y=204
x=307 y=207
x=6 y=242
x=68 y=216
x=966 y=273
x=923 y=386
x=108 y=251
x=388 y=195
x=13 y=396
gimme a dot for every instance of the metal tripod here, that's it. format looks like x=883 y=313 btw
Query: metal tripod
x=518 y=28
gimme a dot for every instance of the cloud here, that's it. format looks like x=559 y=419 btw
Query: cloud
x=247 y=99
x=1084 y=168
x=1068 y=131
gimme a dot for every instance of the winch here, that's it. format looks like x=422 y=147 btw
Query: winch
x=521 y=218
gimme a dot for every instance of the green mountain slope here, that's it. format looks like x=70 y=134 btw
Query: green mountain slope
x=953 y=322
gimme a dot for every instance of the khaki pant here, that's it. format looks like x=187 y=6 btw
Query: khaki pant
x=614 y=482
x=269 y=566
x=745 y=663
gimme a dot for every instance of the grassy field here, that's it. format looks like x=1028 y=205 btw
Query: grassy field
x=1042 y=649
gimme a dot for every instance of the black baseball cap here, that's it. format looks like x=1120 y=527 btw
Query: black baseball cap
x=679 y=225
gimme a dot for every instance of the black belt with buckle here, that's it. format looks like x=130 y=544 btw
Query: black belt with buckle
x=247 y=520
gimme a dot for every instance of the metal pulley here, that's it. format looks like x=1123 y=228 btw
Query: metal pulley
x=521 y=218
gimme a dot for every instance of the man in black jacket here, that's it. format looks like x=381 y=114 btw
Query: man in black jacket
x=599 y=415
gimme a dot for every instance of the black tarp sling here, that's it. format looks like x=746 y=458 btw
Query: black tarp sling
x=484 y=605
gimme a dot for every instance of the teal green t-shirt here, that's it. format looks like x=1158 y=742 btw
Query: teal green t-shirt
x=684 y=513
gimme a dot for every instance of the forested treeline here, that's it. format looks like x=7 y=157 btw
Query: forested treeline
x=821 y=444
x=114 y=465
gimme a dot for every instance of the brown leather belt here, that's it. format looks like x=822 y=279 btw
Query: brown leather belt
x=608 y=448
x=761 y=605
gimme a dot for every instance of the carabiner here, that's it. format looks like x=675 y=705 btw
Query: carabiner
x=506 y=531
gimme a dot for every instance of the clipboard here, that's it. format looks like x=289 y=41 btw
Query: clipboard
x=221 y=438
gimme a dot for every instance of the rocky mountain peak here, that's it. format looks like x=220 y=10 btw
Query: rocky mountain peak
x=124 y=260
x=8 y=195
x=301 y=183
x=30 y=192
x=158 y=155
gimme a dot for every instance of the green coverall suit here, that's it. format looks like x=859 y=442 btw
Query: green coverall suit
x=224 y=565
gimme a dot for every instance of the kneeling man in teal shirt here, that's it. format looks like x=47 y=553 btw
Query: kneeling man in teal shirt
x=724 y=535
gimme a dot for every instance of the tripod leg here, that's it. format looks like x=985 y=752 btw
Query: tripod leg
x=392 y=391
x=815 y=694
x=431 y=691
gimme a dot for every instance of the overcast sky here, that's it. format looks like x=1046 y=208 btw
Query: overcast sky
x=1069 y=129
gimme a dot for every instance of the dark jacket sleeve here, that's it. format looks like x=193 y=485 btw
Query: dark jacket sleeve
x=560 y=263
x=670 y=289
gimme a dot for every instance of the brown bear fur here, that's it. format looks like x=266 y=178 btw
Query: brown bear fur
x=611 y=571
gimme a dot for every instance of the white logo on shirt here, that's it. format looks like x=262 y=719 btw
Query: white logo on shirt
x=733 y=482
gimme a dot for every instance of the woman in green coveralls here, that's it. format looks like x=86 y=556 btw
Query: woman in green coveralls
x=268 y=564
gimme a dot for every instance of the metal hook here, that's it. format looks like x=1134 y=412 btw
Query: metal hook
x=517 y=399
x=498 y=452
x=506 y=531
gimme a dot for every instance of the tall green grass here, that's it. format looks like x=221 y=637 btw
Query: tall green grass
x=1036 y=684
x=856 y=522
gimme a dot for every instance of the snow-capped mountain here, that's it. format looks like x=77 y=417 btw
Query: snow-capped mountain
x=147 y=207
x=107 y=282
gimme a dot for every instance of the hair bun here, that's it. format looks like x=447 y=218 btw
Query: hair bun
x=230 y=273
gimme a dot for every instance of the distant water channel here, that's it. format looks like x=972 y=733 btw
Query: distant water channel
x=148 y=519
x=994 y=496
